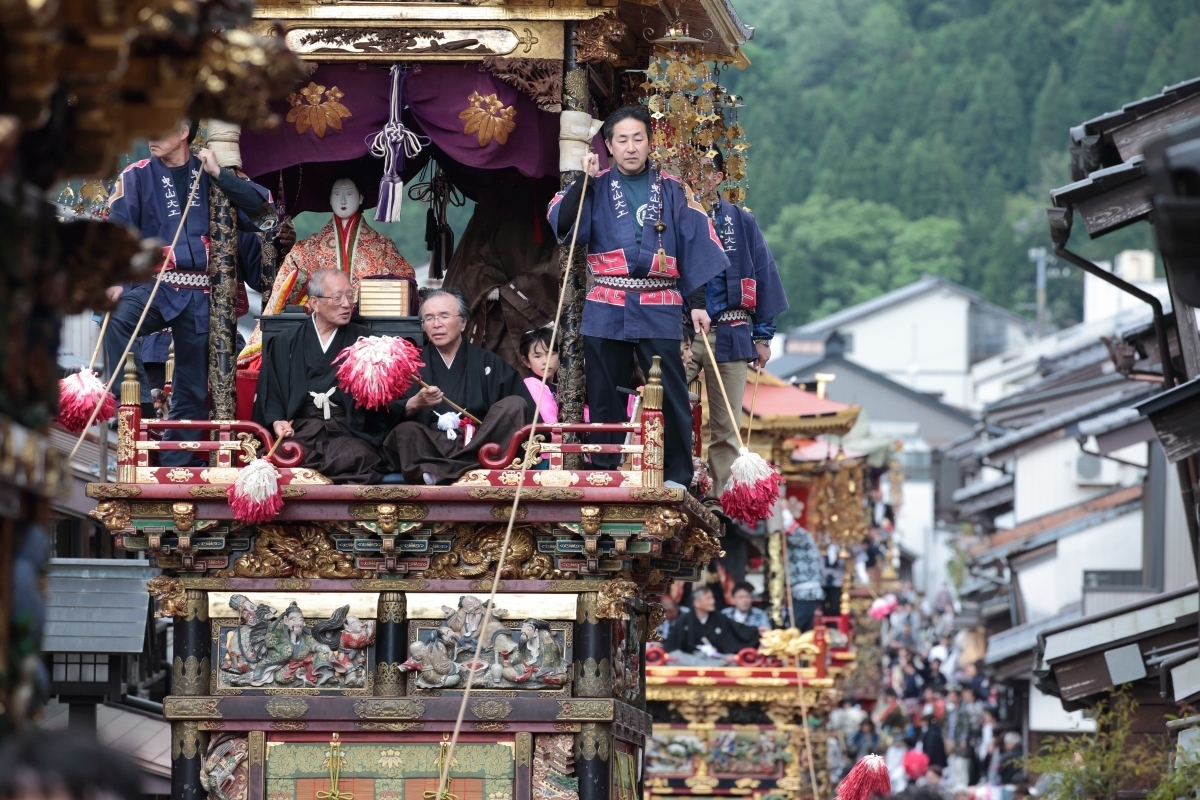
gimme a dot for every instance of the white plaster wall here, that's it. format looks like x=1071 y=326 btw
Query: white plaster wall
x=1045 y=481
x=921 y=344
x=1179 y=566
x=1046 y=715
x=915 y=530
x=1049 y=586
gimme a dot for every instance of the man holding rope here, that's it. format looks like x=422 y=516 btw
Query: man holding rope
x=744 y=302
x=150 y=197
x=649 y=245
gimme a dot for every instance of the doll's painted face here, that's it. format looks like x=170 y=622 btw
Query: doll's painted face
x=345 y=199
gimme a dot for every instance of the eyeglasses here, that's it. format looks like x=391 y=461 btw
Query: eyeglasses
x=336 y=297
x=443 y=318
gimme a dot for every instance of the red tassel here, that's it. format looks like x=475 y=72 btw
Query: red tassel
x=752 y=490
x=376 y=370
x=77 y=398
x=255 y=496
x=866 y=781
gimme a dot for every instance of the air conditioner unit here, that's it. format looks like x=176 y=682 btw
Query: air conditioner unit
x=1093 y=470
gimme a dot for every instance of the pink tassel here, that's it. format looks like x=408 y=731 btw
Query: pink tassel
x=867 y=780
x=78 y=395
x=255 y=496
x=753 y=488
x=376 y=370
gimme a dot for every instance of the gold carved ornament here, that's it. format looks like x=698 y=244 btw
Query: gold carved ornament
x=477 y=550
x=610 y=602
x=170 y=594
x=114 y=514
x=487 y=117
x=298 y=551
x=309 y=111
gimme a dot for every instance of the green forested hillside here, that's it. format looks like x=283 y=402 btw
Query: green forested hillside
x=897 y=137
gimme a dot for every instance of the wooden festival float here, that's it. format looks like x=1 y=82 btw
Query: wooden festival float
x=739 y=730
x=325 y=654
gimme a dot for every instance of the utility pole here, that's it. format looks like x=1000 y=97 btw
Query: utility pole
x=1038 y=255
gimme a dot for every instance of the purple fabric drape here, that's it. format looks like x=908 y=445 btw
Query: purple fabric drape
x=444 y=101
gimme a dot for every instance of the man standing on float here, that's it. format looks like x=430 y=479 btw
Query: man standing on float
x=649 y=245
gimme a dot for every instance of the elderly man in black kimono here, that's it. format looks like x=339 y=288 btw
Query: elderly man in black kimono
x=705 y=638
x=435 y=444
x=298 y=393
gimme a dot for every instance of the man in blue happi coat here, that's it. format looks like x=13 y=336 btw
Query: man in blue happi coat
x=150 y=196
x=744 y=302
x=649 y=245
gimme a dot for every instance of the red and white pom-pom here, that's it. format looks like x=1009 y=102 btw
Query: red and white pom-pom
x=78 y=395
x=752 y=490
x=867 y=780
x=376 y=370
x=883 y=607
x=255 y=496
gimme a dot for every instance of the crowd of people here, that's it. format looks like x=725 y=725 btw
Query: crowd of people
x=937 y=721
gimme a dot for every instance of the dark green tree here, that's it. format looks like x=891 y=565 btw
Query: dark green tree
x=861 y=177
x=1054 y=112
x=831 y=163
x=931 y=181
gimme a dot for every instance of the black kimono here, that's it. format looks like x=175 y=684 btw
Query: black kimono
x=298 y=382
x=479 y=381
x=726 y=635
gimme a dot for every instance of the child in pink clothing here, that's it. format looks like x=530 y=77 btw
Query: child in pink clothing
x=541 y=361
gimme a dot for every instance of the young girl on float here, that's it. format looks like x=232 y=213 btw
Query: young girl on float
x=538 y=358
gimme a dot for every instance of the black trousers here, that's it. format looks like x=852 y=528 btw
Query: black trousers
x=609 y=364
x=189 y=398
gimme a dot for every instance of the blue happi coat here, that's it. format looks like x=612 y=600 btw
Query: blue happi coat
x=147 y=199
x=751 y=284
x=693 y=256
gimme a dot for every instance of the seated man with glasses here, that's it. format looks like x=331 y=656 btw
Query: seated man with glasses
x=435 y=443
x=298 y=393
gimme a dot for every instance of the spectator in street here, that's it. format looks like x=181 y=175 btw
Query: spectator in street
x=932 y=742
x=744 y=611
x=987 y=749
x=935 y=680
x=933 y=780
x=865 y=740
x=913 y=683
x=705 y=638
x=897 y=751
x=892 y=715
x=1011 y=763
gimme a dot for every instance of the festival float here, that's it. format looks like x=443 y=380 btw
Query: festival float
x=484 y=640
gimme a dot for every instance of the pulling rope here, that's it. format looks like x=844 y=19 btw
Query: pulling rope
x=808 y=750
x=100 y=340
x=753 y=402
x=116 y=368
x=712 y=359
x=526 y=460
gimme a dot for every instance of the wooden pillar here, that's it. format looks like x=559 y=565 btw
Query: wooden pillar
x=189 y=676
x=593 y=760
x=391 y=644
x=129 y=420
x=222 y=279
x=571 y=396
x=592 y=650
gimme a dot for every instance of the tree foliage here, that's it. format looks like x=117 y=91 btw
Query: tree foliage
x=942 y=118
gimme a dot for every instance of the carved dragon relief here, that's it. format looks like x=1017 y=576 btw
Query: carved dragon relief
x=296 y=551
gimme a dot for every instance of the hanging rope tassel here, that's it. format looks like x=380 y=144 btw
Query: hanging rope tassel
x=78 y=394
x=393 y=144
x=753 y=483
x=256 y=496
